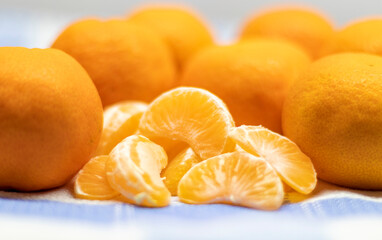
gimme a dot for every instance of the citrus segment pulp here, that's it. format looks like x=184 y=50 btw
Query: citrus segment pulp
x=119 y=121
x=134 y=170
x=91 y=181
x=191 y=115
x=177 y=168
x=237 y=178
x=293 y=166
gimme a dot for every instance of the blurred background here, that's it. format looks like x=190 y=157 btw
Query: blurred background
x=35 y=23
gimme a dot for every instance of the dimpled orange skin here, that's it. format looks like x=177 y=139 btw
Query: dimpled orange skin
x=300 y=25
x=362 y=36
x=182 y=29
x=125 y=61
x=50 y=118
x=251 y=77
x=334 y=114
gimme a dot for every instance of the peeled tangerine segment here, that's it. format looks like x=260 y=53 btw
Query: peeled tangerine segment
x=191 y=115
x=91 y=181
x=120 y=121
x=293 y=166
x=176 y=169
x=134 y=170
x=237 y=178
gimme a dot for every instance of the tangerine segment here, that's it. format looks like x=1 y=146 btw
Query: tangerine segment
x=237 y=178
x=293 y=166
x=91 y=181
x=172 y=148
x=176 y=169
x=120 y=121
x=134 y=170
x=191 y=115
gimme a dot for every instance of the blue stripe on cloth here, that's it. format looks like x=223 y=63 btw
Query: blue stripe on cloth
x=215 y=221
x=320 y=209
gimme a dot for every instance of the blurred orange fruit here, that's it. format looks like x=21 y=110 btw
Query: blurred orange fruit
x=251 y=77
x=119 y=121
x=177 y=168
x=51 y=118
x=191 y=115
x=334 y=114
x=302 y=26
x=182 y=29
x=237 y=178
x=134 y=171
x=91 y=181
x=361 y=36
x=293 y=166
x=125 y=61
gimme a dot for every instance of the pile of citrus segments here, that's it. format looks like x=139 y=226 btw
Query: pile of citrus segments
x=185 y=144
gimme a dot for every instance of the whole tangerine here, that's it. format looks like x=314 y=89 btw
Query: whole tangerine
x=361 y=36
x=251 y=77
x=183 y=30
x=125 y=61
x=50 y=118
x=333 y=112
x=303 y=26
